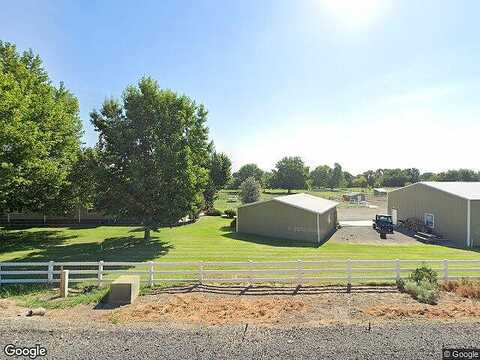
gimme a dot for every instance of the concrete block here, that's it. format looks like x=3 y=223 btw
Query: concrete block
x=124 y=290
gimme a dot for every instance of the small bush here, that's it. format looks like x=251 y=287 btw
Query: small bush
x=250 y=190
x=424 y=273
x=425 y=292
x=401 y=285
x=230 y=213
x=213 y=212
x=422 y=285
x=233 y=224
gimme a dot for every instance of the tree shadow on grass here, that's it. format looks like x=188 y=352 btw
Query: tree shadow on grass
x=11 y=241
x=126 y=248
x=264 y=240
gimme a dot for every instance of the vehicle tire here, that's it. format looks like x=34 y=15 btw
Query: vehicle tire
x=383 y=236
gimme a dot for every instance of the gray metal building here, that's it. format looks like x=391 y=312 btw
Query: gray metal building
x=299 y=217
x=451 y=209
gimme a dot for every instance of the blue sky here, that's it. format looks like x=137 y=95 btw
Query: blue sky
x=367 y=83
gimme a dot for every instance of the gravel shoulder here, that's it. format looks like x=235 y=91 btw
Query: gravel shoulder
x=418 y=340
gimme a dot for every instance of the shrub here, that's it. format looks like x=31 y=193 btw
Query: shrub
x=230 y=213
x=213 y=212
x=425 y=292
x=422 y=285
x=424 y=273
x=401 y=285
x=250 y=190
x=233 y=224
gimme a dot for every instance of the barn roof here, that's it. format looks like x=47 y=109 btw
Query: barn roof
x=307 y=202
x=464 y=189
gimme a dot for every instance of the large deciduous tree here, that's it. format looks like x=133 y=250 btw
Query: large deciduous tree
x=320 y=176
x=290 y=173
x=153 y=154
x=336 y=177
x=246 y=171
x=40 y=133
x=219 y=174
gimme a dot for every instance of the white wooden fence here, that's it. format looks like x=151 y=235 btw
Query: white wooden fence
x=294 y=272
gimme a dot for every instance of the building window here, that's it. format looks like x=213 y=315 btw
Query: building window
x=429 y=220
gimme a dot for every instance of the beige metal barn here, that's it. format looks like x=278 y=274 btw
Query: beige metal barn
x=451 y=209
x=299 y=217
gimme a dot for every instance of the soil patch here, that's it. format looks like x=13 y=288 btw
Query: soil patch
x=213 y=310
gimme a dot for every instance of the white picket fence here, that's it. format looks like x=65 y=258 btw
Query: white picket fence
x=295 y=272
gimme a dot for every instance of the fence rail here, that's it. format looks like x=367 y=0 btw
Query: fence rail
x=295 y=271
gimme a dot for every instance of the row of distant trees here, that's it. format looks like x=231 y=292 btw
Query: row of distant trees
x=291 y=173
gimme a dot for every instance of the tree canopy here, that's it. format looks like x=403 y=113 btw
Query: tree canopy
x=219 y=175
x=154 y=155
x=290 y=173
x=40 y=133
x=246 y=171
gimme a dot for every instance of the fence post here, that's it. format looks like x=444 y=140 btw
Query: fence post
x=445 y=270
x=200 y=272
x=397 y=269
x=349 y=275
x=250 y=268
x=299 y=272
x=64 y=275
x=100 y=273
x=150 y=273
x=50 y=272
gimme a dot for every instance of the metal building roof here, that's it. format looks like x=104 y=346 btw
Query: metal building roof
x=464 y=189
x=307 y=202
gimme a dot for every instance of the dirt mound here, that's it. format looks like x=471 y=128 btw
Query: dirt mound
x=442 y=311
x=213 y=310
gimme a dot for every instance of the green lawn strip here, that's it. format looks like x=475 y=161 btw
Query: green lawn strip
x=35 y=296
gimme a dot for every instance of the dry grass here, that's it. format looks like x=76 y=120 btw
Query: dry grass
x=447 y=310
x=212 y=310
x=465 y=288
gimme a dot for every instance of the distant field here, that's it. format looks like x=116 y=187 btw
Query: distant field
x=225 y=197
x=208 y=240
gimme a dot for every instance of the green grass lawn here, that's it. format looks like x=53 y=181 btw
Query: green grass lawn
x=209 y=239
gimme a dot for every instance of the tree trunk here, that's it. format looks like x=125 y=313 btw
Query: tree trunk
x=146 y=234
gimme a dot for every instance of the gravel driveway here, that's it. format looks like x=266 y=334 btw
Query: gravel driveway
x=418 y=340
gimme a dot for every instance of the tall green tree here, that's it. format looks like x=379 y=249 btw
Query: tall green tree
x=219 y=175
x=153 y=154
x=336 y=177
x=40 y=132
x=290 y=173
x=320 y=176
x=83 y=181
x=246 y=171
